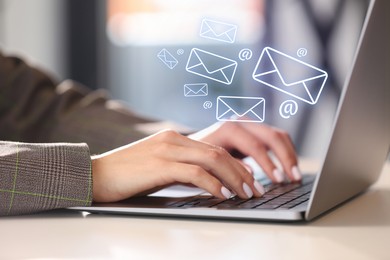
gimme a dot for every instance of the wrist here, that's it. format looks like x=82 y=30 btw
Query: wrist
x=95 y=171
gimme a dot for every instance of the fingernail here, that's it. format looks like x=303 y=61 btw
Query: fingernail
x=296 y=173
x=225 y=192
x=259 y=187
x=247 y=190
x=278 y=175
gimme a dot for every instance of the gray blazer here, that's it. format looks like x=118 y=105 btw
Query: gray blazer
x=49 y=131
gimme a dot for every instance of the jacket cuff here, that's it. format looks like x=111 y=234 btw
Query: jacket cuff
x=39 y=177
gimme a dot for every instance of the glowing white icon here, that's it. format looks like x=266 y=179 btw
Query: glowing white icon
x=290 y=76
x=180 y=52
x=211 y=66
x=240 y=109
x=207 y=105
x=167 y=58
x=219 y=31
x=196 y=90
x=302 y=52
x=288 y=108
x=245 y=54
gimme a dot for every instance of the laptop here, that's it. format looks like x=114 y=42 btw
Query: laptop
x=355 y=155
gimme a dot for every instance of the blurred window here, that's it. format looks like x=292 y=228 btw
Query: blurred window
x=134 y=22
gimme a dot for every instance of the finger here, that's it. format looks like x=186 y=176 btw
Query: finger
x=197 y=176
x=213 y=159
x=247 y=143
x=287 y=157
x=218 y=162
x=257 y=185
x=280 y=144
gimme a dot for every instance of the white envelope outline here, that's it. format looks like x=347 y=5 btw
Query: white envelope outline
x=253 y=111
x=216 y=67
x=306 y=89
x=219 y=31
x=196 y=90
x=167 y=58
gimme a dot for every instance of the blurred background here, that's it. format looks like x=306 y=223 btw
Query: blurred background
x=115 y=44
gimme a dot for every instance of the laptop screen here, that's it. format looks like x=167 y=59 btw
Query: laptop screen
x=198 y=62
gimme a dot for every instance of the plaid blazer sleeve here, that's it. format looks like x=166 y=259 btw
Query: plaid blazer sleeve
x=42 y=163
x=37 y=177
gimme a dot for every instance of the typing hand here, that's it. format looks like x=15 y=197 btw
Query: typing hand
x=167 y=158
x=256 y=140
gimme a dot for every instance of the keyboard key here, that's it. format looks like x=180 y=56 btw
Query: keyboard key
x=283 y=196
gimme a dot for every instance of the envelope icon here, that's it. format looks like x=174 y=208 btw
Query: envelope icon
x=290 y=75
x=196 y=90
x=219 y=31
x=241 y=109
x=211 y=66
x=167 y=58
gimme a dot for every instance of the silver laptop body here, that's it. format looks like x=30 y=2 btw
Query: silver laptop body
x=356 y=152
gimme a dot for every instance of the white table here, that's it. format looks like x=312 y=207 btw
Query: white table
x=358 y=230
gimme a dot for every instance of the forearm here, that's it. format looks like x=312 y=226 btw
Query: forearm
x=38 y=177
x=34 y=108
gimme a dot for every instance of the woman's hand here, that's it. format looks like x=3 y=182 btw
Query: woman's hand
x=167 y=158
x=256 y=140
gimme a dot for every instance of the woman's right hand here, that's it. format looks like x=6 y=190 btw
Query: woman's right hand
x=167 y=158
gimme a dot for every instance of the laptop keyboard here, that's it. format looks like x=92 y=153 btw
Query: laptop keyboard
x=277 y=196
